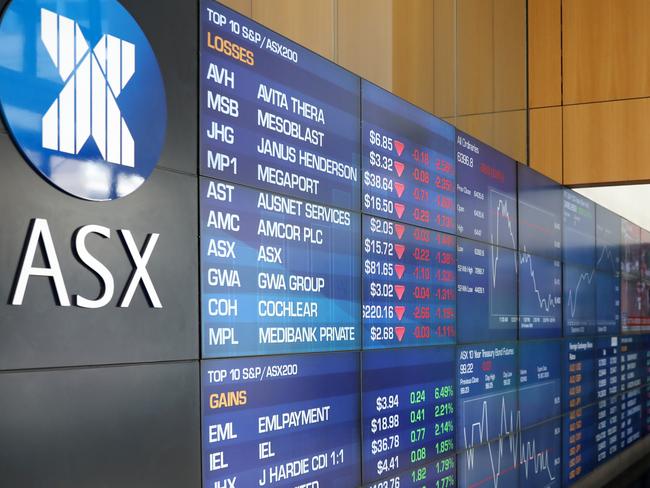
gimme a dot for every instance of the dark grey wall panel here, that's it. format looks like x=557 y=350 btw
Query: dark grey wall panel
x=125 y=426
x=171 y=27
x=41 y=334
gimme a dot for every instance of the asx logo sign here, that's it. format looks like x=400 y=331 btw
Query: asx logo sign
x=82 y=95
x=87 y=104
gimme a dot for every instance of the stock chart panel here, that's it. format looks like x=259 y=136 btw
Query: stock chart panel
x=579 y=256
x=608 y=274
x=540 y=297
x=409 y=281
x=540 y=455
x=540 y=214
x=281 y=421
x=608 y=303
x=407 y=161
x=486 y=399
x=486 y=193
x=493 y=464
x=608 y=240
x=487 y=292
x=579 y=394
x=277 y=274
x=635 y=304
x=607 y=389
x=407 y=411
x=630 y=249
x=274 y=115
x=579 y=299
x=579 y=230
x=540 y=382
x=644 y=255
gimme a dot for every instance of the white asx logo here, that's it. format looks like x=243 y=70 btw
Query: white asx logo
x=86 y=106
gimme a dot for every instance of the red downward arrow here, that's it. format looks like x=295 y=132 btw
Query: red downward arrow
x=399 y=249
x=399 y=269
x=399 y=331
x=399 y=230
x=399 y=146
x=399 y=208
x=399 y=289
x=399 y=187
x=399 y=311
x=399 y=167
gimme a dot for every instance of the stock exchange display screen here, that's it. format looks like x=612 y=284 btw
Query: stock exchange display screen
x=409 y=281
x=280 y=264
x=285 y=122
x=408 y=162
x=607 y=389
x=277 y=274
x=540 y=381
x=281 y=421
x=579 y=234
x=540 y=297
x=486 y=193
x=580 y=376
x=608 y=302
x=389 y=302
x=579 y=297
x=608 y=240
x=631 y=249
x=540 y=214
x=486 y=393
x=487 y=292
x=408 y=407
x=632 y=377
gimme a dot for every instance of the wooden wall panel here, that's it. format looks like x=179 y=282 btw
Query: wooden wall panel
x=607 y=142
x=365 y=39
x=475 y=57
x=546 y=141
x=606 y=50
x=310 y=24
x=444 y=58
x=509 y=55
x=413 y=52
x=505 y=131
x=544 y=53
x=480 y=126
x=510 y=134
x=242 y=6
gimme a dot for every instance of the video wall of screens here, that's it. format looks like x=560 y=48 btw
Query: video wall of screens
x=387 y=301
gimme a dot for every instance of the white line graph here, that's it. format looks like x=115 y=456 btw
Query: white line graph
x=509 y=443
x=586 y=277
x=501 y=212
x=546 y=303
